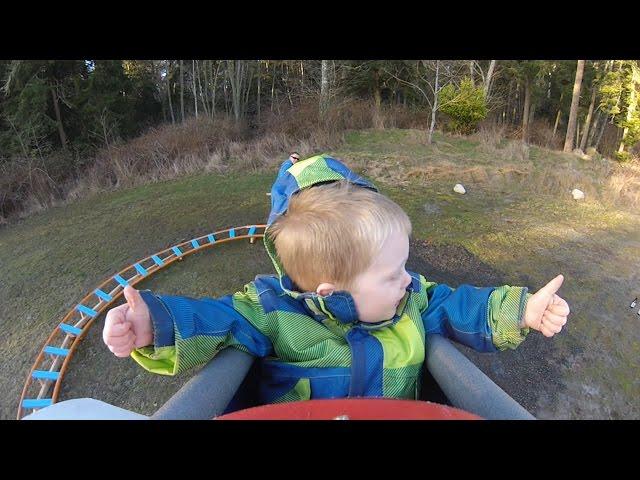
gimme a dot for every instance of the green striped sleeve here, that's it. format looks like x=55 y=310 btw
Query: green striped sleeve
x=505 y=313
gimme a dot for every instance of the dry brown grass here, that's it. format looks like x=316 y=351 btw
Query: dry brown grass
x=219 y=145
x=197 y=145
x=541 y=134
x=500 y=163
x=623 y=185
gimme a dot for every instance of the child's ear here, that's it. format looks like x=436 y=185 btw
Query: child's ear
x=325 y=289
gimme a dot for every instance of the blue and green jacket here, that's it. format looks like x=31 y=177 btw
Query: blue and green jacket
x=312 y=346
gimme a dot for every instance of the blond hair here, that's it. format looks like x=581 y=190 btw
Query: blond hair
x=333 y=232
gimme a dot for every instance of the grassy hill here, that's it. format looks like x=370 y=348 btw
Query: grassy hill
x=517 y=224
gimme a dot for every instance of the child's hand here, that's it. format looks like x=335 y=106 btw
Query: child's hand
x=546 y=311
x=128 y=326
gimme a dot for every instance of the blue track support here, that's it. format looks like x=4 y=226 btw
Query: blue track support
x=86 y=310
x=70 y=329
x=232 y=233
x=120 y=280
x=37 y=402
x=195 y=243
x=252 y=230
x=158 y=260
x=103 y=295
x=45 y=374
x=141 y=270
x=62 y=352
x=177 y=251
x=211 y=238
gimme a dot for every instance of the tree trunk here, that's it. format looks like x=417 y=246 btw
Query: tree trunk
x=594 y=129
x=225 y=91
x=377 y=96
x=247 y=90
x=516 y=104
x=587 y=122
x=434 y=106
x=157 y=78
x=56 y=108
x=205 y=92
x=258 y=100
x=273 y=85
x=473 y=82
x=173 y=120
x=630 y=111
x=525 y=111
x=602 y=128
x=213 y=89
x=182 y=90
x=594 y=139
x=555 y=126
x=202 y=96
x=324 y=87
x=624 y=135
x=286 y=83
x=487 y=81
x=193 y=84
x=236 y=71
x=573 y=113
x=578 y=133
x=507 y=109
x=532 y=114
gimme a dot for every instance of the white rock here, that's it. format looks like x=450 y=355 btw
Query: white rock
x=459 y=189
x=577 y=194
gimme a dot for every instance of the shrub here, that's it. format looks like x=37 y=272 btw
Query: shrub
x=464 y=105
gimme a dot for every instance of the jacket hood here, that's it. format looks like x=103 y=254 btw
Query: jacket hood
x=304 y=174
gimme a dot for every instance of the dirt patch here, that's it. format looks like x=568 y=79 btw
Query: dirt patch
x=530 y=374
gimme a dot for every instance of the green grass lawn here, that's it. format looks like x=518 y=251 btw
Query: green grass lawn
x=527 y=233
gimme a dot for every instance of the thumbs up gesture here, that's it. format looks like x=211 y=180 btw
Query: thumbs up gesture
x=128 y=326
x=546 y=311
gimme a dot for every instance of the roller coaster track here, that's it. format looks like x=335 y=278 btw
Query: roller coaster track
x=53 y=360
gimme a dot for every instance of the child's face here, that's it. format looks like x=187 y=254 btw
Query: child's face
x=378 y=290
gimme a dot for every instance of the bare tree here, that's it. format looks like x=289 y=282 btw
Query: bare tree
x=324 y=87
x=168 y=77
x=555 y=125
x=193 y=85
x=434 y=107
x=239 y=76
x=444 y=72
x=573 y=113
x=56 y=108
x=258 y=98
x=181 y=90
x=488 y=79
x=471 y=71
x=203 y=98
x=525 y=112
x=587 y=121
x=632 y=104
x=213 y=88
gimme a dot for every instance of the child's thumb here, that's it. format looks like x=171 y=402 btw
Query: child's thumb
x=133 y=297
x=553 y=286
